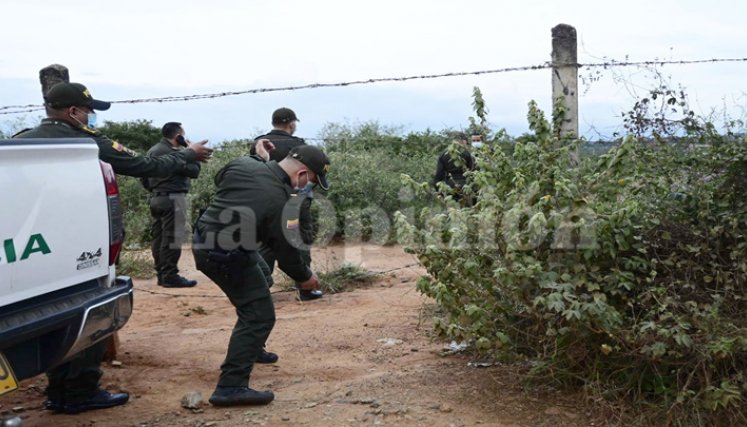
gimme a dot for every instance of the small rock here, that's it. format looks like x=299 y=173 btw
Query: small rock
x=553 y=411
x=211 y=424
x=285 y=418
x=375 y=404
x=18 y=409
x=445 y=408
x=116 y=363
x=13 y=422
x=311 y=405
x=192 y=400
x=414 y=349
x=389 y=342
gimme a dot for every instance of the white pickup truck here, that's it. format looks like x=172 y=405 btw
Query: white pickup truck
x=60 y=233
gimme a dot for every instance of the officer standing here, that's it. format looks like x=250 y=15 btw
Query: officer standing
x=168 y=208
x=284 y=125
x=450 y=170
x=74 y=386
x=251 y=207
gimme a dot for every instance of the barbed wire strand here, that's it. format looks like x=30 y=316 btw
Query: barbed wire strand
x=607 y=64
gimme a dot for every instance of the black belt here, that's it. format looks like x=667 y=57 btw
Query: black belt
x=166 y=193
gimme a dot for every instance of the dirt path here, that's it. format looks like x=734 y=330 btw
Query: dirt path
x=354 y=358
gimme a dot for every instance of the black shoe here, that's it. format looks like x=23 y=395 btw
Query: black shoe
x=267 y=357
x=177 y=282
x=237 y=396
x=307 y=295
x=101 y=400
x=54 y=405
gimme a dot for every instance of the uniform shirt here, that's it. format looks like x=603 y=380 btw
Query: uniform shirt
x=448 y=171
x=250 y=207
x=123 y=160
x=283 y=141
x=178 y=182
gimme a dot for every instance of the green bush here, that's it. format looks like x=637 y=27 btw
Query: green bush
x=623 y=273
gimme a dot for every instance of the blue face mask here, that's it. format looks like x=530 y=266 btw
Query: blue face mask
x=91 y=120
x=306 y=189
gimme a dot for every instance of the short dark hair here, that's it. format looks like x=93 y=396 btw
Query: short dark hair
x=170 y=129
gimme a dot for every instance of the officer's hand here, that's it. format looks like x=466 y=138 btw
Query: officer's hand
x=263 y=148
x=203 y=152
x=311 y=284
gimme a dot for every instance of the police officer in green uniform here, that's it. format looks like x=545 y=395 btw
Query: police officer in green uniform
x=74 y=386
x=284 y=123
x=168 y=207
x=251 y=207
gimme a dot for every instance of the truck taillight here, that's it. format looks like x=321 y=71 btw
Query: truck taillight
x=116 y=225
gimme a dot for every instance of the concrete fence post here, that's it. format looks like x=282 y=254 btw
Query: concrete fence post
x=565 y=77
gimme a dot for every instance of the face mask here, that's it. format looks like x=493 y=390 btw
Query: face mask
x=477 y=144
x=91 y=120
x=306 y=189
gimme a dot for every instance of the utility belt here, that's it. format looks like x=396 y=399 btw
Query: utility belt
x=234 y=261
x=167 y=193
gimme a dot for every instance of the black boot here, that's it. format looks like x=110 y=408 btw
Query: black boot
x=237 y=396
x=101 y=400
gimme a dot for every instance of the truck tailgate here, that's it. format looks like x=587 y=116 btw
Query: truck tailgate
x=54 y=223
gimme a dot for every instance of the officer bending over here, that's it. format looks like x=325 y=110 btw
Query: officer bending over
x=251 y=207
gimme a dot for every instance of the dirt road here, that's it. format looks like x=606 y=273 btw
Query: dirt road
x=355 y=358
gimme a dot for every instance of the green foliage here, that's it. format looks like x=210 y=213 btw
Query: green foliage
x=365 y=189
x=138 y=264
x=137 y=135
x=136 y=211
x=345 y=278
x=624 y=272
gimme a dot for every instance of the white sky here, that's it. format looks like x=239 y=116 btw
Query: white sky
x=135 y=48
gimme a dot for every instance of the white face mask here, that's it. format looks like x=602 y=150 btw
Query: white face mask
x=477 y=144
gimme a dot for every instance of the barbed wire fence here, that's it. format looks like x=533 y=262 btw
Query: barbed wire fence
x=29 y=108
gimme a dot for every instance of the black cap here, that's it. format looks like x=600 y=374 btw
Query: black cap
x=73 y=95
x=283 y=115
x=314 y=159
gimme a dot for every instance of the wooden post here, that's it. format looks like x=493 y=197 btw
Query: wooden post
x=51 y=75
x=565 y=77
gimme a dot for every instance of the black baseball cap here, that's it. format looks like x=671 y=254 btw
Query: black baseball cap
x=283 y=115
x=314 y=159
x=73 y=95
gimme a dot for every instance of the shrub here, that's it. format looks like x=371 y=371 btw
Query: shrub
x=624 y=273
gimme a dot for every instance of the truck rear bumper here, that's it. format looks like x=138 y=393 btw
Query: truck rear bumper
x=35 y=337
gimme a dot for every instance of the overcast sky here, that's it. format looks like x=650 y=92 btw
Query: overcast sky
x=134 y=49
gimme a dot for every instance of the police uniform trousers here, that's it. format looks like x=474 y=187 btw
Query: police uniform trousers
x=77 y=380
x=245 y=285
x=168 y=211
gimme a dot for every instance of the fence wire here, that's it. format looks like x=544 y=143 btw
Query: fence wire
x=18 y=109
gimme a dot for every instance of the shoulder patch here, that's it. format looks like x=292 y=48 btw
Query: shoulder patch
x=121 y=148
x=291 y=224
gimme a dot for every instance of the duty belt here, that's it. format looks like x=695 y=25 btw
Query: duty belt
x=166 y=193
